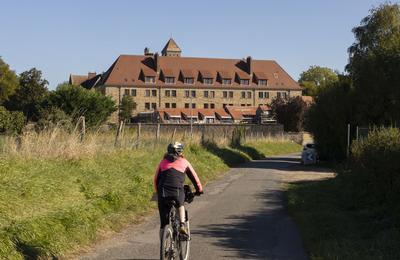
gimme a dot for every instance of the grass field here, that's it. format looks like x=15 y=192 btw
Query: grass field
x=57 y=194
x=339 y=221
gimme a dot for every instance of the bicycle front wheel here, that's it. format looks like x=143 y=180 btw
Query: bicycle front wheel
x=184 y=242
x=167 y=244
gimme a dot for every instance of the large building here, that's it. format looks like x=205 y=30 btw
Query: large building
x=171 y=81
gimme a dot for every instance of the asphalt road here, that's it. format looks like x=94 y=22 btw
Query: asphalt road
x=241 y=216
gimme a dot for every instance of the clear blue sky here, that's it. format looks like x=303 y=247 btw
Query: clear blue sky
x=63 y=37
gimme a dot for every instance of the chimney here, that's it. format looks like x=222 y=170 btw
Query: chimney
x=91 y=75
x=249 y=65
x=147 y=52
x=157 y=62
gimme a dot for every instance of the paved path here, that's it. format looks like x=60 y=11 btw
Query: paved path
x=241 y=216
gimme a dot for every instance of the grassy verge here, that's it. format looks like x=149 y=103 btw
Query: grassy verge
x=49 y=206
x=340 y=221
x=259 y=150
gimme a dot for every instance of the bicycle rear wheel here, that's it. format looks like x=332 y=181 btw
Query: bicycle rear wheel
x=184 y=244
x=167 y=250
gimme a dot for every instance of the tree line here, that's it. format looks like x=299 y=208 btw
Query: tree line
x=26 y=98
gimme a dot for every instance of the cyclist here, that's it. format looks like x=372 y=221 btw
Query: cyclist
x=168 y=183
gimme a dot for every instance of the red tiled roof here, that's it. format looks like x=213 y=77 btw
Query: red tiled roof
x=187 y=73
x=260 y=75
x=170 y=111
x=168 y=72
x=221 y=112
x=190 y=112
x=265 y=108
x=129 y=67
x=207 y=112
x=207 y=74
x=238 y=112
x=308 y=99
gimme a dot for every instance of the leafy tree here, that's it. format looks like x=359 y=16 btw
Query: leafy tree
x=126 y=108
x=76 y=101
x=328 y=117
x=374 y=66
x=30 y=95
x=8 y=81
x=317 y=78
x=290 y=113
x=50 y=117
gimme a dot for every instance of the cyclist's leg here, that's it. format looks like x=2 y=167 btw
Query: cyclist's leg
x=182 y=215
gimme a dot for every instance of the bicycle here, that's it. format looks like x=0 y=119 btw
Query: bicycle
x=173 y=244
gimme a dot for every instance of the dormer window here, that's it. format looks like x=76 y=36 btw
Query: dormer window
x=149 y=79
x=244 y=82
x=169 y=80
x=188 y=80
x=226 y=81
x=207 y=81
x=262 y=82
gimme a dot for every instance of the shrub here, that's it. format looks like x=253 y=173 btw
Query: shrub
x=290 y=113
x=53 y=117
x=77 y=101
x=376 y=160
x=11 y=122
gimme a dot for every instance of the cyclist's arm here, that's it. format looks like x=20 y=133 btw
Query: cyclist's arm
x=191 y=173
x=156 y=178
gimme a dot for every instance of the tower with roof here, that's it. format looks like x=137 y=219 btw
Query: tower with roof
x=171 y=49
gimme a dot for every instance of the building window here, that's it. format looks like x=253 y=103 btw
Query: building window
x=244 y=82
x=249 y=105
x=134 y=106
x=212 y=94
x=193 y=92
x=147 y=93
x=147 y=105
x=187 y=105
x=188 y=80
x=248 y=94
x=154 y=93
x=133 y=92
x=226 y=81
x=282 y=95
x=262 y=82
x=166 y=105
x=207 y=81
x=230 y=94
x=230 y=104
x=126 y=92
x=225 y=94
x=187 y=93
x=148 y=79
x=173 y=105
x=242 y=105
x=224 y=105
x=168 y=93
x=169 y=80
x=153 y=105
x=243 y=94
x=205 y=105
x=193 y=105
x=173 y=93
x=206 y=93
x=212 y=105
x=263 y=94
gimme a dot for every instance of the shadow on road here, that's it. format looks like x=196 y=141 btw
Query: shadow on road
x=253 y=235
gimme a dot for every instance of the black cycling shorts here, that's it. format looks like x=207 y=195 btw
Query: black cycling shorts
x=166 y=194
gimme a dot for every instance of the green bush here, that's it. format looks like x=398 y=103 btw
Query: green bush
x=11 y=122
x=376 y=161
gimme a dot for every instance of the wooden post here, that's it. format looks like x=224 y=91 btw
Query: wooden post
x=83 y=128
x=348 y=140
x=138 y=135
x=173 y=135
x=121 y=123
x=158 y=133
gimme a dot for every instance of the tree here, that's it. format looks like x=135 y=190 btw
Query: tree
x=11 y=122
x=328 y=117
x=8 y=81
x=374 y=66
x=126 y=108
x=76 y=101
x=30 y=95
x=290 y=113
x=316 y=78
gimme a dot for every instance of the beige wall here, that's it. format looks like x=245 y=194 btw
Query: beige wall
x=117 y=92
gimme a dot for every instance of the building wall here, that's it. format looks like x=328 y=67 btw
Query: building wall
x=219 y=101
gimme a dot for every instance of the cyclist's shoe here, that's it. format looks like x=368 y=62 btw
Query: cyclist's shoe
x=183 y=229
